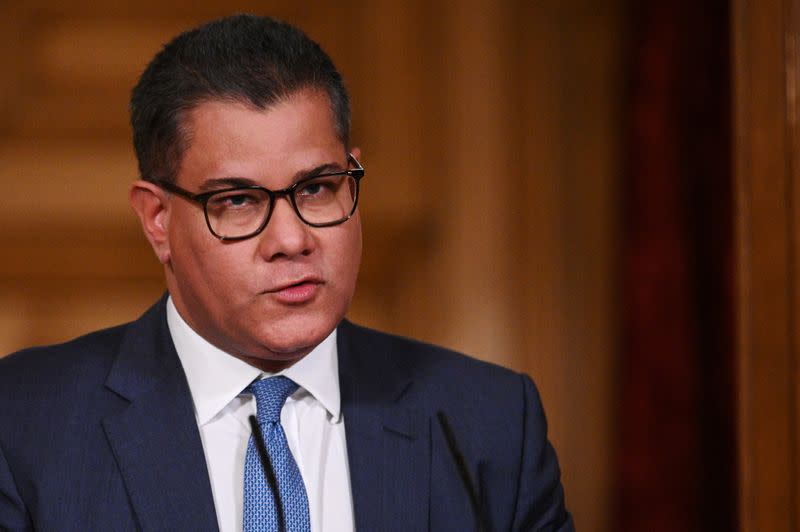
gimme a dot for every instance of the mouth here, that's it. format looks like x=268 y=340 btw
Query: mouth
x=295 y=292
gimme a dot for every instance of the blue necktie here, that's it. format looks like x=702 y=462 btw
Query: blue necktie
x=260 y=508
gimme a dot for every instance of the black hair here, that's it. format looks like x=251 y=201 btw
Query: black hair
x=255 y=60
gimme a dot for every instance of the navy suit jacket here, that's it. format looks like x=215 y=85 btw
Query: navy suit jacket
x=100 y=434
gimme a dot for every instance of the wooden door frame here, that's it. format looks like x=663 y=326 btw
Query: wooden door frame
x=766 y=59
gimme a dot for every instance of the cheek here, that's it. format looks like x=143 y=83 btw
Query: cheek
x=349 y=254
x=224 y=267
x=201 y=260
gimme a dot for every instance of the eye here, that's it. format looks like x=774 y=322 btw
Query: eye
x=311 y=189
x=236 y=199
x=319 y=188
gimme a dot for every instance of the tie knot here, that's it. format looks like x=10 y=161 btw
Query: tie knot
x=270 y=395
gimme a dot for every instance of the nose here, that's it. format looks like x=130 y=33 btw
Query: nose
x=285 y=236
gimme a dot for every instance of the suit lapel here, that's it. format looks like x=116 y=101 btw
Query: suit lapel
x=155 y=439
x=388 y=443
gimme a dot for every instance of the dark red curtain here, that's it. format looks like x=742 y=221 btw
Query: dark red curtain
x=677 y=451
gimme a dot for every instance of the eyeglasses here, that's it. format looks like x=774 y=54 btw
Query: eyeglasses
x=242 y=212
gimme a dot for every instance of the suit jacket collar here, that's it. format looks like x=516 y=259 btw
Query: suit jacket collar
x=388 y=442
x=155 y=439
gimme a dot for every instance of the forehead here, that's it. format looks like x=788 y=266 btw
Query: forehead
x=231 y=138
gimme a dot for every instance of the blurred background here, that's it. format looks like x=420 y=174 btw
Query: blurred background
x=599 y=194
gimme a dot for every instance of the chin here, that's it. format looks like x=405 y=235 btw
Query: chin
x=293 y=336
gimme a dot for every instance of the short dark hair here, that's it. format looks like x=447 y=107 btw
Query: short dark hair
x=244 y=58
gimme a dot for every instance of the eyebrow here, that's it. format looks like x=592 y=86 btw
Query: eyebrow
x=224 y=182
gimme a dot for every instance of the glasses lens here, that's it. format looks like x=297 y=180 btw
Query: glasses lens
x=237 y=213
x=327 y=199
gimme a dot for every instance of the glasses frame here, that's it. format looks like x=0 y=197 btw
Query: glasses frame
x=202 y=199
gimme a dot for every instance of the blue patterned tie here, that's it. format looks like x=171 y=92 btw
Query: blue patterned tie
x=260 y=509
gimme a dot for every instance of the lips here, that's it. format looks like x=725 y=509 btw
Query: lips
x=296 y=291
x=278 y=287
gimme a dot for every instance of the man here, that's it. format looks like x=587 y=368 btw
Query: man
x=243 y=399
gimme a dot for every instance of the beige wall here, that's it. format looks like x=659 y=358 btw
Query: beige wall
x=489 y=132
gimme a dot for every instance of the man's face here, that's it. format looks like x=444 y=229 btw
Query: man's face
x=271 y=298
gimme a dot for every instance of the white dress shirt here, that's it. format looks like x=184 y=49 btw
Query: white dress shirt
x=311 y=419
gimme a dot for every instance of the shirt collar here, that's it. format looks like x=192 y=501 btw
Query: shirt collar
x=215 y=378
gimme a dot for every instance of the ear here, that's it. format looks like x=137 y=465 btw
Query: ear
x=150 y=203
x=356 y=152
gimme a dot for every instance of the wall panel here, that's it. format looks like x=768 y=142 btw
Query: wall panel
x=766 y=64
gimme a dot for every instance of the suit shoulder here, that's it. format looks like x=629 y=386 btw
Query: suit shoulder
x=95 y=349
x=430 y=362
